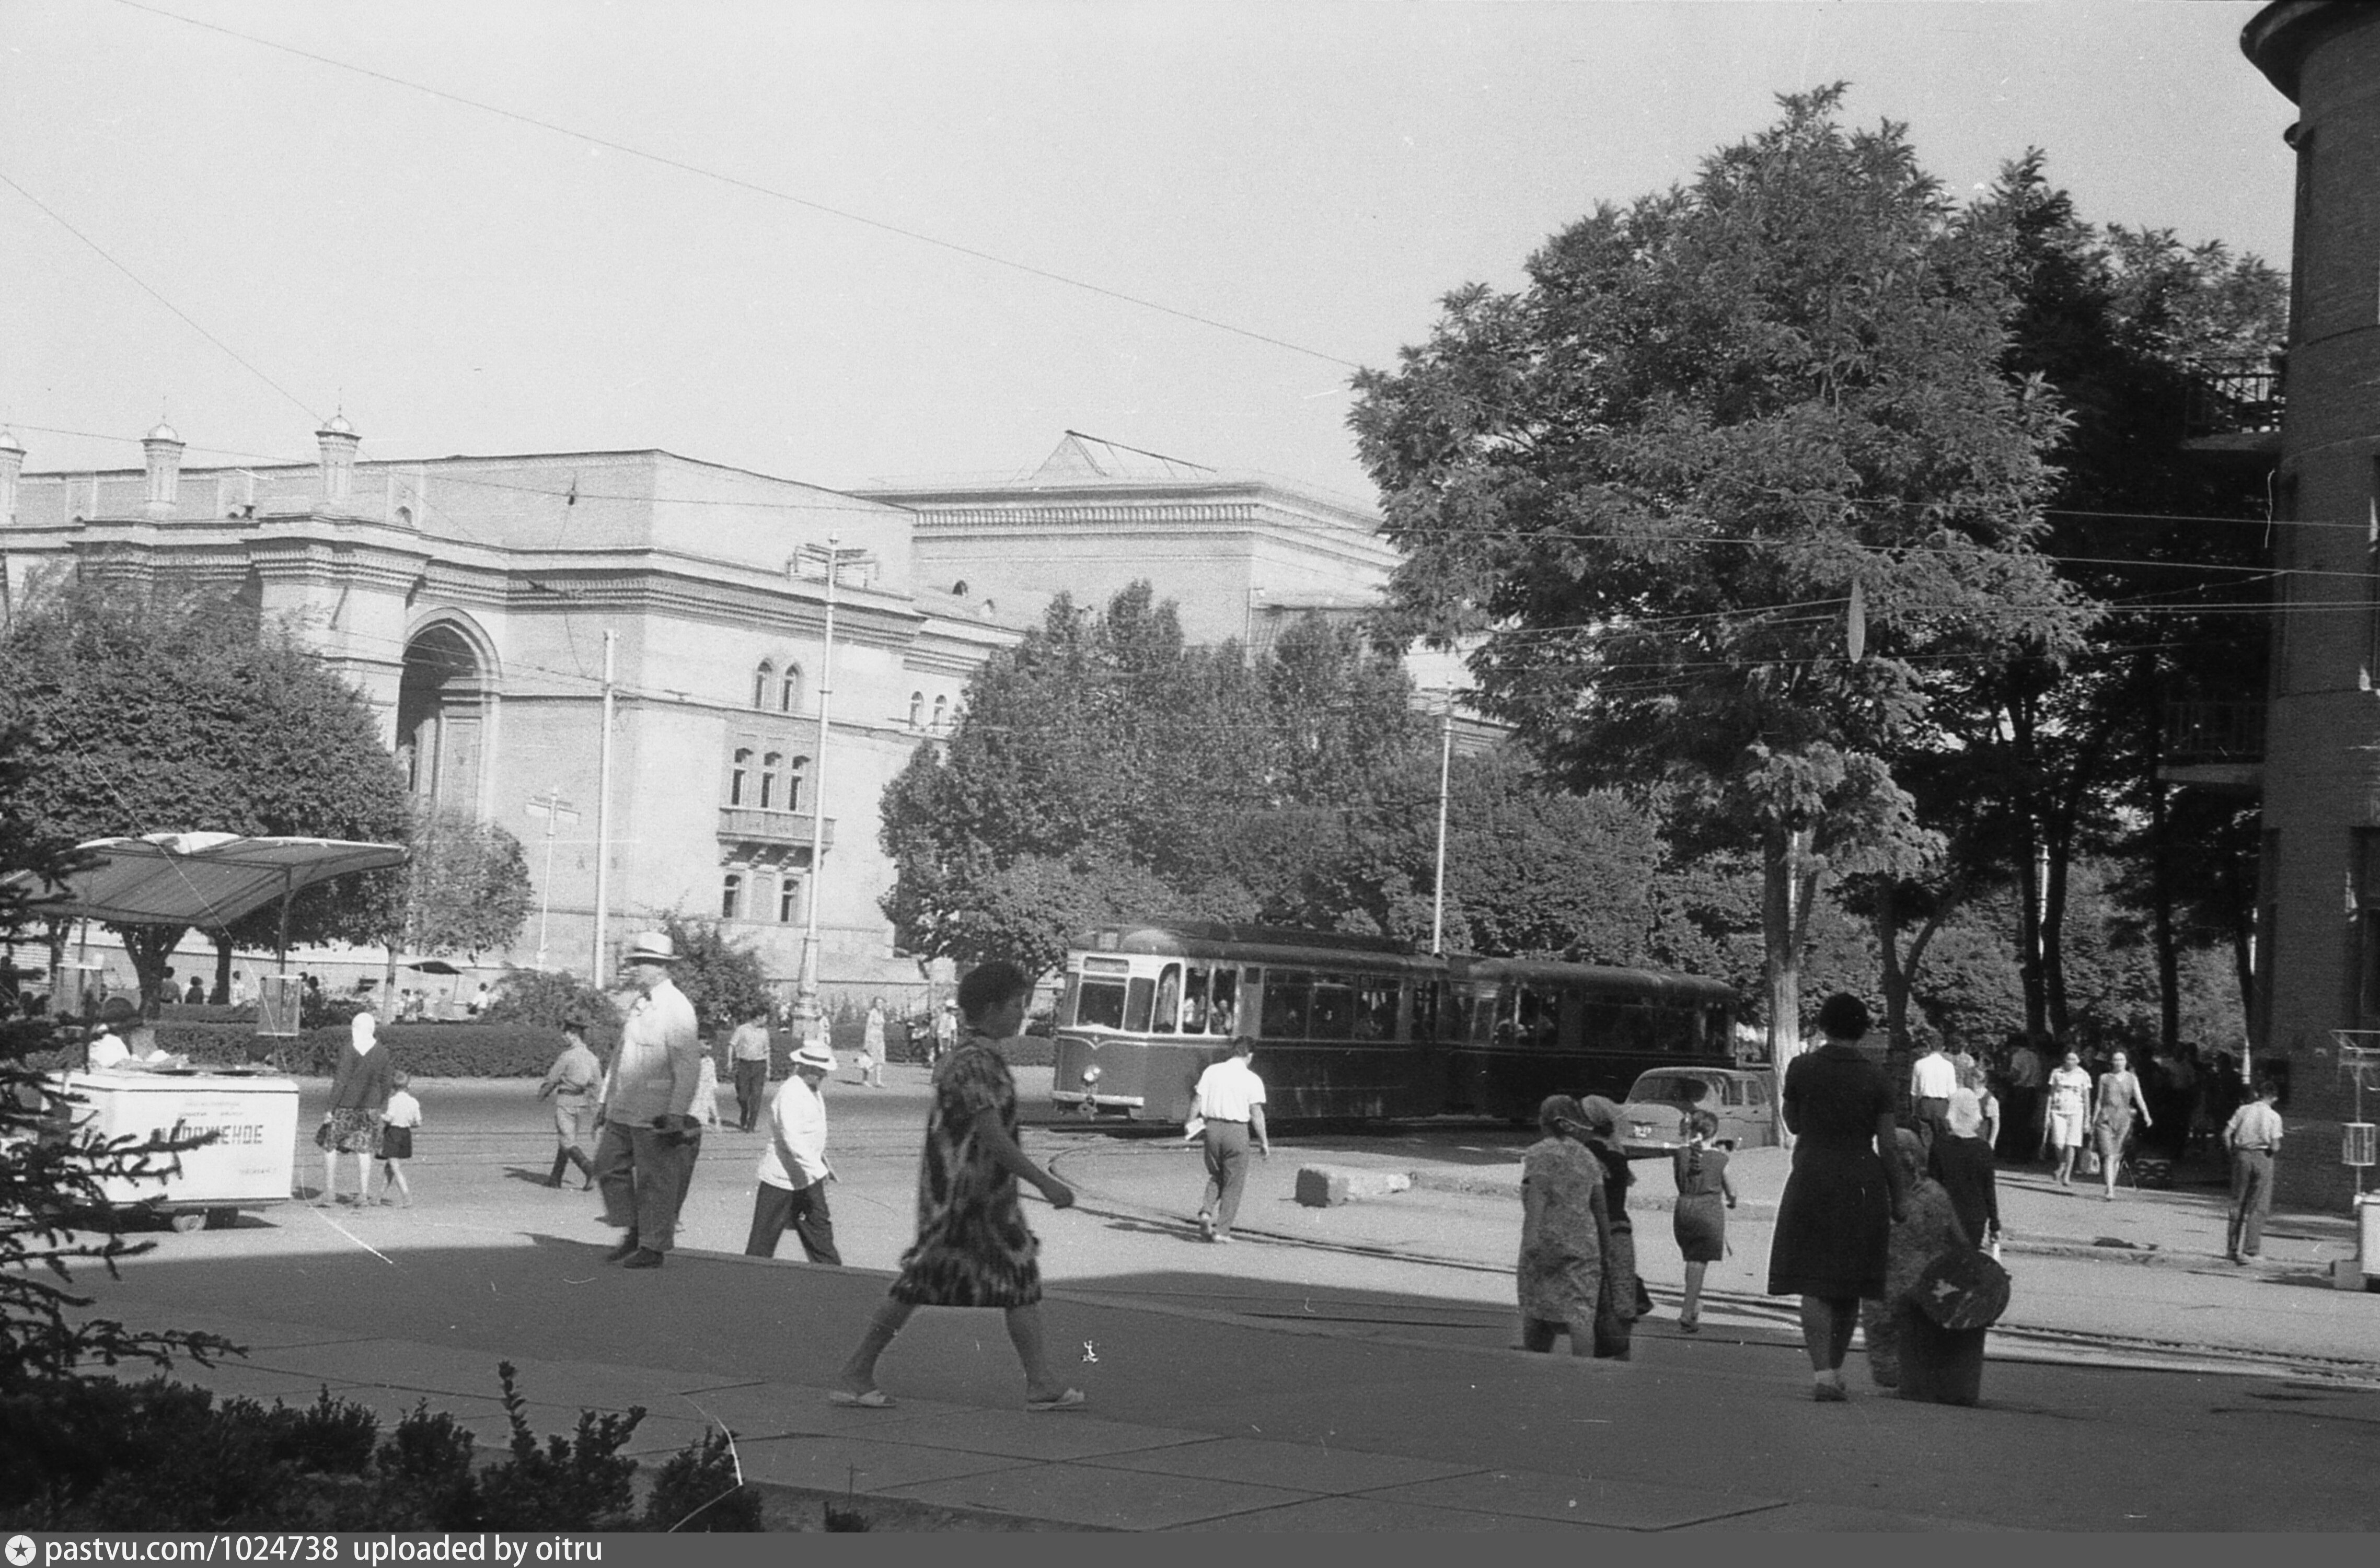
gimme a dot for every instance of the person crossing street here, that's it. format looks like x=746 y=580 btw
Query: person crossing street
x=1230 y=1104
x=651 y=1139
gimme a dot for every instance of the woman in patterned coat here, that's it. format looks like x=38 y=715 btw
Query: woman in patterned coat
x=973 y=1249
x=1565 y=1233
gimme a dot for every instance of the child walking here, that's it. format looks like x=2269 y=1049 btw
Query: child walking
x=1699 y=1220
x=397 y=1126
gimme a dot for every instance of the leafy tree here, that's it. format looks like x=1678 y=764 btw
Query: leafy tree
x=168 y=711
x=1725 y=433
x=725 y=981
x=1105 y=768
x=547 y=997
x=2125 y=324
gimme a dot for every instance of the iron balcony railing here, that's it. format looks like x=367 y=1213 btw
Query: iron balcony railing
x=2233 y=397
x=755 y=827
x=2205 y=732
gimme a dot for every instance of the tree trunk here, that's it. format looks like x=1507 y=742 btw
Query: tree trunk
x=1778 y=931
x=149 y=946
x=1896 y=978
x=2169 y=962
x=221 y=993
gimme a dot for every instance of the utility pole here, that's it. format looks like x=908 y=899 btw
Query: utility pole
x=555 y=809
x=604 y=817
x=1437 y=887
x=805 y=994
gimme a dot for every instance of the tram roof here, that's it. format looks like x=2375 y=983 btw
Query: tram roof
x=1671 y=983
x=1200 y=935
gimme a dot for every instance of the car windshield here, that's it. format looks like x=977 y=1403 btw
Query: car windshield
x=1669 y=1089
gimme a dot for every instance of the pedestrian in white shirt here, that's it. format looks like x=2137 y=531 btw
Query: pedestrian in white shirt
x=2069 y=1112
x=1931 y=1083
x=1230 y=1104
x=793 y=1170
x=2253 y=1137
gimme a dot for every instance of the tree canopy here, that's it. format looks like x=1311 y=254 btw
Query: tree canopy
x=165 y=709
x=1726 y=489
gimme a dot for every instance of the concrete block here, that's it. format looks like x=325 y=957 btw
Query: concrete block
x=1326 y=1187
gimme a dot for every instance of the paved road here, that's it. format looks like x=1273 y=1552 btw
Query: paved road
x=1435 y=1264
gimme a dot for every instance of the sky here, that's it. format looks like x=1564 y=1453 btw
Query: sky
x=852 y=243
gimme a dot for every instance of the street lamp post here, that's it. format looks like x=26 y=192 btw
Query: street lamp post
x=1437 y=887
x=805 y=994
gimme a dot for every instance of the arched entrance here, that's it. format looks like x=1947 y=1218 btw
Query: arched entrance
x=442 y=715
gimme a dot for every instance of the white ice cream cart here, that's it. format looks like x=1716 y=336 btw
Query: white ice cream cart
x=206 y=880
x=246 y=1163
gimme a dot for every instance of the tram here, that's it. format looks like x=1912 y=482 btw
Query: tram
x=1360 y=1027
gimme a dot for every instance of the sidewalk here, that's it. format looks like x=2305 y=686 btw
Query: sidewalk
x=2185 y=1225
x=1204 y=1420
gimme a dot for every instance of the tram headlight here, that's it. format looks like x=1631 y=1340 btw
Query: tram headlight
x=1090 y=1075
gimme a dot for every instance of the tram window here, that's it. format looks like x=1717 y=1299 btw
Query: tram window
x=1169 y=999
x=1098 y=1003
x=1633 y=1029
x=1537 y=1013
x=1429 y=1004
x=1136 y=1005
x=1287 y=996
x=1223 y=1011
x=1333 y=1013
x=1376 y=1009
x=1194 y=1000
x=1483 y=1017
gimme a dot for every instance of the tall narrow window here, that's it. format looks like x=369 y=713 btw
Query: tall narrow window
x=739 y=777
x=793 y=783
x=761 y=678
x=789 y=899
x=789 y=689
x=730 y=896
x=917 y=709
x=941 y=708
x=769 y=767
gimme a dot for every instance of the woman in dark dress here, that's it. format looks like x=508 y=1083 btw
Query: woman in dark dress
x=1833 y=1220
x=1624 y=1299
x=360 y=1086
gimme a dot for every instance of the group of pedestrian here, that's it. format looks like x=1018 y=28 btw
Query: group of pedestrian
x=372 y=1116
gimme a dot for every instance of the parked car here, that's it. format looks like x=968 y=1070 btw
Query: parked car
x=1744 y=1100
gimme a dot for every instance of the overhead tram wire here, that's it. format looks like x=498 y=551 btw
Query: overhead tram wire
x=753 y=186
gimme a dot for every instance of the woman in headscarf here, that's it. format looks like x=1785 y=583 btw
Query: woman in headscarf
x=1829 y=1247
x=1624 y=1299
x=1963 y=1163
x=1924 y=1228
x=1565 y=1233
x=360 y=1086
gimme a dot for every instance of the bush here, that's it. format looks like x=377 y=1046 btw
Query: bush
x=545 y=998
x=426 y=1049
x=93 y=1453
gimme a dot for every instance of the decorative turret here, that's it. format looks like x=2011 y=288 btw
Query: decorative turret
x=163 y=450
x=339 y=441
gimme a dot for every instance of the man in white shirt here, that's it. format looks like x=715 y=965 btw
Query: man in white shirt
x=1230 y=1101
x=794 y=1172
x=2253 y=1137
x=645 y=1157
x=747 y=1060
x=1931 y=1083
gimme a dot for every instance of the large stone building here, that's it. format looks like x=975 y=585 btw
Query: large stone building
x=471 y=600
x=476 y=600
x=2320 y=873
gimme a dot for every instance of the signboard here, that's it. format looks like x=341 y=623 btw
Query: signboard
x=276 y=1005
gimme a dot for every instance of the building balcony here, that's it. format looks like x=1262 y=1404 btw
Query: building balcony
x=2215 y=745
x=748 y=825
x=2234 y=406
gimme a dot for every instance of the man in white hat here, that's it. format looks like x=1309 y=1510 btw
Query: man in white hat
x=645 y=1158
x=794 y=1172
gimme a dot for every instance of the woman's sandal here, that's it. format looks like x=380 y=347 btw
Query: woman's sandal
x=873 y=1399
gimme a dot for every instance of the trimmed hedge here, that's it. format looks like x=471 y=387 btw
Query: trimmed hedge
x=426 y=1049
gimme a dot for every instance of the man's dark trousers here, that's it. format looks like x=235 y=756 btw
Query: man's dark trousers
x=803 y=1207
x=751 y=1091
x=2252 y=1200
x=644 y=1175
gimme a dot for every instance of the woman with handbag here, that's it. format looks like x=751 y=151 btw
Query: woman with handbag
x=360 y=1085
